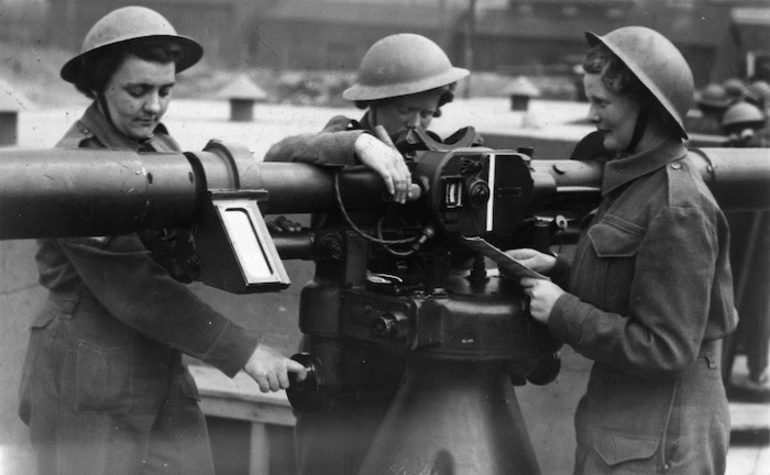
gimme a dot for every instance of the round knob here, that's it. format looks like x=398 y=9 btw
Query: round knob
x=546 y=370
x=385 y=327
x=306 y=395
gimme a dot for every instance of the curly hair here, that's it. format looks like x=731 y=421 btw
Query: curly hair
x=99 y=66
x=447 y=96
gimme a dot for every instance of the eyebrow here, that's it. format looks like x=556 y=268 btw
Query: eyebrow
x=148 y=85
x=417 y=109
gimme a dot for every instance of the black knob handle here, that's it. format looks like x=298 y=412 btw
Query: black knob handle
x=306 y=395
x=546 y=370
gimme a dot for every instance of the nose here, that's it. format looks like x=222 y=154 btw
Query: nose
x=153 y=103
x=413 y=120
x=593 y=116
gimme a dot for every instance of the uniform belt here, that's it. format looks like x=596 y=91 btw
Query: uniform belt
x=710 y=348
x=69 y=302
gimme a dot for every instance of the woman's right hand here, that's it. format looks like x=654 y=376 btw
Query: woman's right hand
x=270 y=369
x=535 y=260
x=387 y=162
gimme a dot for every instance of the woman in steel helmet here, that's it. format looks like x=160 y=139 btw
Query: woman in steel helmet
x=104 y=390
x=648 y=296
x=128 y=64
x=403 y=81
x=742 y=123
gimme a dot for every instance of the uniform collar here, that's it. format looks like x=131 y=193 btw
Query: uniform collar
x=622 y=170
x=108 y=135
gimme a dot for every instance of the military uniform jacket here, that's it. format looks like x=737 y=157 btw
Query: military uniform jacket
x=333 y=146
x=650 y=291
x=122 y=320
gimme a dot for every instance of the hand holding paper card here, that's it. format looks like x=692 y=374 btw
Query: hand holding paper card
x=508 y=264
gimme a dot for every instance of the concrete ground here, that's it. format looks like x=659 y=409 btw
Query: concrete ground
x=750 y=442
x=547 y=410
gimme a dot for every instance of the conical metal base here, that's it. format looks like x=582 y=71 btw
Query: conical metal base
x=452 y=418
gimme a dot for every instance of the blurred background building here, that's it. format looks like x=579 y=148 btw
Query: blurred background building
x=512 y=37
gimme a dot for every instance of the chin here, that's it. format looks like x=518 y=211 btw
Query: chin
x=610 y=145
x=141 y=134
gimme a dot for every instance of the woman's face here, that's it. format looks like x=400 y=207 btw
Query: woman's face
x=405 y=112
x=613 y=114
x=138 y=94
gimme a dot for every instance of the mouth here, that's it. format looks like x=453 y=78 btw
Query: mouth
x=146 y=122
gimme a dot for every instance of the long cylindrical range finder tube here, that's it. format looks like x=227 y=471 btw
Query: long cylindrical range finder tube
x=56 y=192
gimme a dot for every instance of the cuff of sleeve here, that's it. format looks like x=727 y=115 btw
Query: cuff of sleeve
x=566 y=320
x=560 y=272
x=232 y=349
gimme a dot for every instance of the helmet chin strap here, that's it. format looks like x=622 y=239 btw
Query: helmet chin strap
x=641 y=125
x=105 y=109
x=102 y=101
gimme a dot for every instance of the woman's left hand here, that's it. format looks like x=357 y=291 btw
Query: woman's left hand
x=542 y=296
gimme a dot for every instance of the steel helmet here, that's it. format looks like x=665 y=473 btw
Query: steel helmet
x=714 y=96
x=658 y=65
x=761 y=90
x=743 y=113
x=128 y=24
x=735 y=89
x=400 y=65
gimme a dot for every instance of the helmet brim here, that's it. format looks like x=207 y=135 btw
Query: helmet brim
x=357 y=92
x=192 y=52
x=594 y=39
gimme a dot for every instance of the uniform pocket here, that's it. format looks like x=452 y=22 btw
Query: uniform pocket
x=103 y=378
x=621 y=452
x=615 y=237
x=615 y=243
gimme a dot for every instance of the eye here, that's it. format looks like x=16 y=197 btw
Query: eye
x=136 y=91
x=165 y=91
x=599 y=103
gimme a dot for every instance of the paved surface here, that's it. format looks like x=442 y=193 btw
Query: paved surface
x=750 y=448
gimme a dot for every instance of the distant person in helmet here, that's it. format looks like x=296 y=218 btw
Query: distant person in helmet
x=648 y=296
x=743 y=124
x=403 y=81
x=712 y=102
x=736 y=90
x=760 y=93
x=104 y=390
x=746 y=126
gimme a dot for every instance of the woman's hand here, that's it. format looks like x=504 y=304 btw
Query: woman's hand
x=542 y=297
x=387 y=162
x=535 y=260
x=270 y=369
x=282 y=224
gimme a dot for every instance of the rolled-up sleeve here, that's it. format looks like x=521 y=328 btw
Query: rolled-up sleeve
x=333 y=146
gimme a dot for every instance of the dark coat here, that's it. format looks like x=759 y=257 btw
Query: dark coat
x=103 y=369
x=650 y=299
